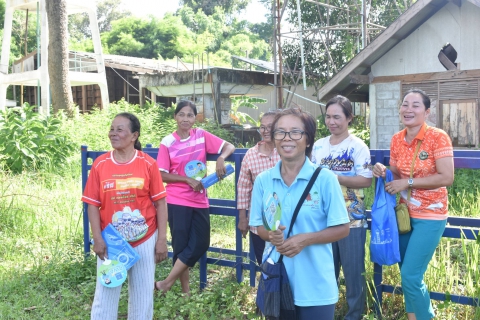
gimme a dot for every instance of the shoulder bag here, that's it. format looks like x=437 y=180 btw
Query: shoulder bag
x=274 y=294
x=401 y=209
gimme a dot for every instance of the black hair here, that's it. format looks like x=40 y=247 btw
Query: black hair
x=425 y=97
x=345 y=104
x=269 y=113
x=308 y=121
x=134 y=127
x=185 y=103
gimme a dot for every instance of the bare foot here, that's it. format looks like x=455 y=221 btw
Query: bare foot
x=159 y=286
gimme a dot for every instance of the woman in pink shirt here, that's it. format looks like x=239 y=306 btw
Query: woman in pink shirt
x=182 y=162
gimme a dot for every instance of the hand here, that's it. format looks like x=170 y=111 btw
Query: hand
x=292 y=246
x=243 y=226
x=396 y=186
x=196 y=185
x=276 y=237
x=220 y=168
x=379 y=170
x=161 y=251
x=100 y=248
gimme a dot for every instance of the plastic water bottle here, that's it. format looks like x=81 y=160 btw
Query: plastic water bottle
x=211 y=179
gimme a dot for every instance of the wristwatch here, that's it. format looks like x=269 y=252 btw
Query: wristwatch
x=410 y=182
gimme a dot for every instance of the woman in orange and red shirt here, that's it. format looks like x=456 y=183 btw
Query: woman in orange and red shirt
x=125 y=188
x=428 y=205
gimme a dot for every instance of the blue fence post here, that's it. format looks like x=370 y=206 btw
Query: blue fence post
x=252 y=264
x=378 y=289
x=86 y=227
x=238 y=235
x=203 y=271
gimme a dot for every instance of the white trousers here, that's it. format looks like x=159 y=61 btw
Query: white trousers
x=140 y=279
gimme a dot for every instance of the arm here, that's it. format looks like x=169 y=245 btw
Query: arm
x=356 y=182
x=244 y=194
x=161 y=251
x=243 y=222
x=99 y=246
x=443 y=178
x=170 y=177
x=380 y=171
x=227 y=150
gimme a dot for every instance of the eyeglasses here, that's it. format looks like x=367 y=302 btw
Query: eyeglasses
x=294 y=135
x=269 y=128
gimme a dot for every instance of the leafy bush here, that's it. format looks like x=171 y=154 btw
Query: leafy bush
x=91 y=129
x=214 y=128
x=32 y=140
x=357 y=128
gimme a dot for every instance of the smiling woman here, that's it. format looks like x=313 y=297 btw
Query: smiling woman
x=421 y=160
x=125 y=189
x=322 y=218
x=182 y=161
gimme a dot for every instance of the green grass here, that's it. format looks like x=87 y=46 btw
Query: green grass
x=43 y=274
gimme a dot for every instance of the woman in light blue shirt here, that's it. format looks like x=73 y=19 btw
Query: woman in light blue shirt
x=322 y=218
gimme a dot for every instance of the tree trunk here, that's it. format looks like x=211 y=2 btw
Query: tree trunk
x=58 y=56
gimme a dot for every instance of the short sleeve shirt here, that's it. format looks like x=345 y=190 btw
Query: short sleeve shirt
x=311 y=272
x=177 y=156
x=124 y=193
x=351 y=157
x=436 y=144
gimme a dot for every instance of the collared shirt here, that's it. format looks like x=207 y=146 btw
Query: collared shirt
x=436 y=144
x=311 y=272
x=253 y=164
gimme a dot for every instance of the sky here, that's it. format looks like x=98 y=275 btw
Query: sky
x=142 y=8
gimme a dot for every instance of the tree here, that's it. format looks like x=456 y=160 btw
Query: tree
x=148 y=38
x=208 y=6
x=58 y=55
x=107 y=12
x=327 y=49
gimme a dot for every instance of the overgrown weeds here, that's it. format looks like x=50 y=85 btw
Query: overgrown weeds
x=43 y=274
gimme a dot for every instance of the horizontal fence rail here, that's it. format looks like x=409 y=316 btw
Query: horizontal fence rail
x=457 y=227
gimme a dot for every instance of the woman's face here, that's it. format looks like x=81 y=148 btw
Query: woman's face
x=335 y=119
x=266 y=128
x=120 y=135
x=413 y=111
x=185 y=118
x=287 y=148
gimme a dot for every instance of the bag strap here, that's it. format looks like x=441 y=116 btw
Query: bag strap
x=300 y=202
x=411 y=168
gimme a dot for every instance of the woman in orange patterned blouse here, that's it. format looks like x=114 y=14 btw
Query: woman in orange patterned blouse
x=433 y=171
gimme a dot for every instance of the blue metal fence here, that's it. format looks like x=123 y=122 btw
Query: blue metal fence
x=457 y=227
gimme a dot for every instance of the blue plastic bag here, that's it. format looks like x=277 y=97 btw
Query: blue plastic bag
x=384 y=246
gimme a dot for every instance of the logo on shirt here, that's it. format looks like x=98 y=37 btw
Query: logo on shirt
x=343 y=162
x=123 y=184
x=423 y=155
x=312 y=200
